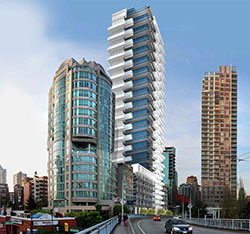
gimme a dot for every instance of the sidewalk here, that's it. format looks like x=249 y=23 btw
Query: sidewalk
x=120 y=229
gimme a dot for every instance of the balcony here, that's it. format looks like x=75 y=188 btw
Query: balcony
x=128 y=74
x=128 y=116
x=128 y=84
x=128 y=43
x=128 y=105
x=128 y=64
x=129 y=23
x=127 y=127
x=128 y=54
x=128 y=137
x=129 y=33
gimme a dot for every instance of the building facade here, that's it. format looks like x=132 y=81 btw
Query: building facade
x=144 y=185
x=170 y=174
x=219 y=135
x=18 y=197
x=125 y=183
x=80 y=137
x=137 y=71
x=4 y=195
x=17 y=178
x=37 y=188
x=194 y=181
x=3 y=175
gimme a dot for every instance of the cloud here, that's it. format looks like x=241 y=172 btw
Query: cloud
x=28 y=61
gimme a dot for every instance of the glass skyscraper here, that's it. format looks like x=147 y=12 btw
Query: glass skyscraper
x=80 y=137
x=137 y=72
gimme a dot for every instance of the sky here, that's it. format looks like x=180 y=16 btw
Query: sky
x=37 y=36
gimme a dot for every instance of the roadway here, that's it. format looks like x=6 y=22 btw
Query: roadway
x=148 y=226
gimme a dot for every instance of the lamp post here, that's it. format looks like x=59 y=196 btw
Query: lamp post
x=52 y=200
x=122 y=161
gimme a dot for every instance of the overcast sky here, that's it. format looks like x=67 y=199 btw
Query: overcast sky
x=36 y=36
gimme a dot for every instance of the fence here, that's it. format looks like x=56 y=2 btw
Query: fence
x=102 y=228
x=234 y=224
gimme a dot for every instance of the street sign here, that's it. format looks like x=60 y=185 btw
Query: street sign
x=73 y=230
x=124 y=202
x=190 y=206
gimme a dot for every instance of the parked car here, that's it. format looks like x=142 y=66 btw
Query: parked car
x=157 y=218
x=175 y=226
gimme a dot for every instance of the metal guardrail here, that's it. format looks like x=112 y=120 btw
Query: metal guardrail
x=105 y=227
x=234 y=224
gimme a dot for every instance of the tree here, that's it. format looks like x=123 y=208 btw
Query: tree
x=70 y=214
x=161 y=211
x=98 y=207
x=143 y=211
x=242 y=200
x=245 y=212
x=169 y=213
x=30 y=203
x=118 y=209
x=151 y=211
x=228 y=206
x=42 y=203
x=93 y=218
x=199 y=210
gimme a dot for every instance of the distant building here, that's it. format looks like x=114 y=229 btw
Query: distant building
x=171 y=176
x=3 y=175
x=219 y=135
x=125 y=173
x=144 y=182
x=4 y=194
x=187 y=190
x=17 y=178
x=12 y=198
x=37 y=188
x=18 y=197
x=26 y=180
x=194 y=181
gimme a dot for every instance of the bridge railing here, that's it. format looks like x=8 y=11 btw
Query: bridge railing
x=234 y=224
x=105 y=227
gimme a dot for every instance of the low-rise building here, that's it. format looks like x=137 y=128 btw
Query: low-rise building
x=18 y=197
x=15 y=224
x=3 y=175
x=4 y=194
x=37 y=188
x=144 y=184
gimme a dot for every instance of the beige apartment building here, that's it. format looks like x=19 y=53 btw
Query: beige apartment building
x=219 y=135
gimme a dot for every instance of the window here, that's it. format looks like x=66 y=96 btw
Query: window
x=140 y=28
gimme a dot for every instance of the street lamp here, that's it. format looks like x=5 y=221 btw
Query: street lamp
x=122 y=161
x=52 y=200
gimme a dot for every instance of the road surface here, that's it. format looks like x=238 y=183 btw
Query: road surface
x=148 y=226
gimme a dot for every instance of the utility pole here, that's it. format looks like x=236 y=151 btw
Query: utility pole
x=122 y=195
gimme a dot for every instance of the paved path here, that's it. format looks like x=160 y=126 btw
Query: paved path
x=148 y=226
x=121 y=229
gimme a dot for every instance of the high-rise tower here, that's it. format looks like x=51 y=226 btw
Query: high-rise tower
x=80 y=137
x=3 y=175
x=219 y=135
x=137 y=72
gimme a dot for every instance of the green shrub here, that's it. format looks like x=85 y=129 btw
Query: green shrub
x=143 y=211
x=151 y=211
x=161 y=211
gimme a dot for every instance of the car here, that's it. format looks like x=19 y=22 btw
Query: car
x=175 y=226
x=157 y=218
